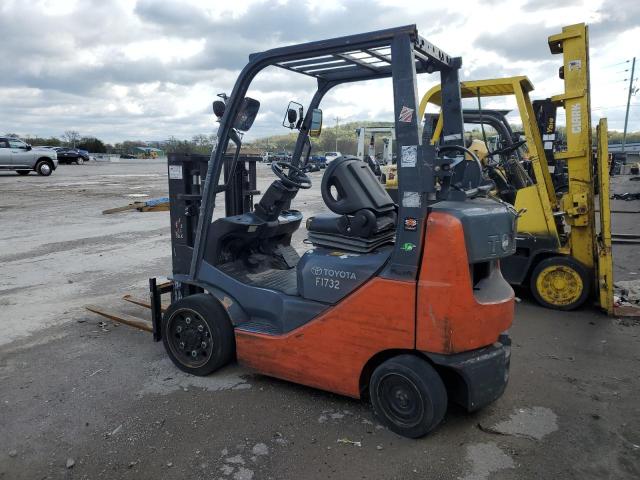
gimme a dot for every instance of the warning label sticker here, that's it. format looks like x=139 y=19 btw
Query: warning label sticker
x=409 y=156
x=576 y=118
x=175 y=172
x=575 y=65
x=406 y=114
x=411 y=200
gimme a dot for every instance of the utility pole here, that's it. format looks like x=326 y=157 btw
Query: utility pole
x=337 y=121
x=631 y=92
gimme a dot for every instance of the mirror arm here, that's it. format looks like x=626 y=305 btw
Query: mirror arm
x=306 y=157
x=235 y=138
x=323 y=87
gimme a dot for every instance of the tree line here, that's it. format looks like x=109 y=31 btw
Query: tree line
x=342 y=138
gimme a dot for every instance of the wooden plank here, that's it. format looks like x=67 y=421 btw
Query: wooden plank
x=143 y=302
x=627 y=311
x=123 y=318
x=164 y=207
x=119 y=209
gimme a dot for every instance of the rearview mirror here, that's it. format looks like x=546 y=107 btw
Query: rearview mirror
x=293 y=116
x=218 y=108
x=316 y=123
x=247 y=114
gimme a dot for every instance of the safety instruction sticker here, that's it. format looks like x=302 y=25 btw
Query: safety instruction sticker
x=411 y=200
x=576 y=118
x=175 y=172
x=409 y=156
x=453 y=136
x=575 y=65
x=406 y=114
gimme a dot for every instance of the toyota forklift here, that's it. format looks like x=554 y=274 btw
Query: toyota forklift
x=403 y=304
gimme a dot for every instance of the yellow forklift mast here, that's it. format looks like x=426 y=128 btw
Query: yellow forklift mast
x=563 y=259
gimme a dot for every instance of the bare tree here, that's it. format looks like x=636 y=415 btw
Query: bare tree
x=71 y=137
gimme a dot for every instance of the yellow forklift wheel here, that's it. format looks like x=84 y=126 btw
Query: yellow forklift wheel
x=560 y=283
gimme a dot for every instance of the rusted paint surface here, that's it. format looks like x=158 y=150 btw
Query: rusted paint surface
x=449 y=317
x=331 y=351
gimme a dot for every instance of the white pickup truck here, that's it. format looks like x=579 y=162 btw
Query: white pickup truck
x=21 y=157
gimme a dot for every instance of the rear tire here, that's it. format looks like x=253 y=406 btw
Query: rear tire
x=197 y=334
x=561 y=283
x=408 y=395
x=23 y=172
x=44 y=168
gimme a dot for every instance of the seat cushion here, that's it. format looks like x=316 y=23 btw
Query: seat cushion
x=325 y=223
x=363 y=224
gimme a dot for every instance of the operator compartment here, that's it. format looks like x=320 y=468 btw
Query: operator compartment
x=364 y=215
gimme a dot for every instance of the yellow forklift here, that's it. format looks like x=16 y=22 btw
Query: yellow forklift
x=563 y=255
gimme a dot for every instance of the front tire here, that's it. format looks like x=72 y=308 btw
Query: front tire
x=408 y=395
x=561 y=283
x=44 y=168
x=197 y=334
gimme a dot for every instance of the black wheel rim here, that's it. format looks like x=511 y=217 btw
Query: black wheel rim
x=189 y=338
x=400 y=400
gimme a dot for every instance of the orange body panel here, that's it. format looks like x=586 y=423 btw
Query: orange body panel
x=331 y=351
x=449 y=317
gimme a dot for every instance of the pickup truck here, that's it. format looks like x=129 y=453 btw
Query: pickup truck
x=21 y=157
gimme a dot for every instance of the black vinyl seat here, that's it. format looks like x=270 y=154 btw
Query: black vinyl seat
x=364 y=214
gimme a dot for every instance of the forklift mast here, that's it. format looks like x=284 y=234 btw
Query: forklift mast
x=578 y=203
x=587 y=245
x=362 y=134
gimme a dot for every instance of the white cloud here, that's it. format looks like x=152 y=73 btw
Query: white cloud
x=150 y=69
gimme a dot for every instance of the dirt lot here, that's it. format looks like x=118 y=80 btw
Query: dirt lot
x=85 y=399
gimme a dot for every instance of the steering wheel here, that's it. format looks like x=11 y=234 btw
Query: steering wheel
x=295 y=178
x=509 y=148
x=473 y=156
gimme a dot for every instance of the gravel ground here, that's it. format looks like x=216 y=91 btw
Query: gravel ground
x=80 y=398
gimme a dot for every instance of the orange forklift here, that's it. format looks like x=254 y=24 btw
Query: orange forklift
x=403 y=304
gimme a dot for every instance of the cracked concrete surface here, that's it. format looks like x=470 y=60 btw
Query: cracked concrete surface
x=108 y=397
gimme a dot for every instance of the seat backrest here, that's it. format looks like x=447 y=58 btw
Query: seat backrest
x=349 y=185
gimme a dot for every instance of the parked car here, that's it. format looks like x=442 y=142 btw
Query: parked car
x=331 y=156
x=127 y=155
x=71 y=155
x=318 y=160
x=85 y=154
x=281 y=157
x=23 y=158
x=315 y=163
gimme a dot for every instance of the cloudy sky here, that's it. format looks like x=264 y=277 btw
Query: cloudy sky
x=149 y=69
